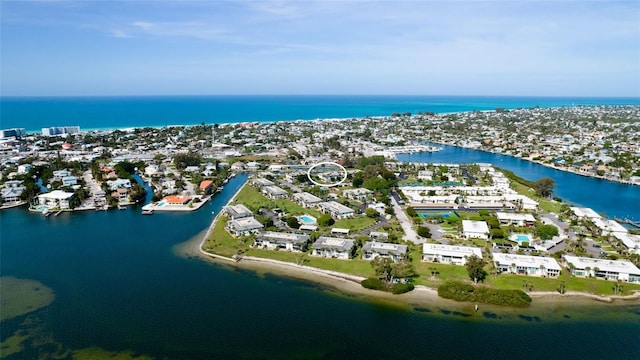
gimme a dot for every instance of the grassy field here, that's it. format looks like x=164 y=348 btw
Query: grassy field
x=355 y=266
x=355 y=224
x=545 y=204
x=221 y=242
x=254 y=200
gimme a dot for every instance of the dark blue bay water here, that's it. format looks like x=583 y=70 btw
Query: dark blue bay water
x=611 y=198
x=34 y=113
x=120 y=286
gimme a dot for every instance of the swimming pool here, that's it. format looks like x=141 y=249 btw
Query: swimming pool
x=307 y=219
x=521 y=238
x=161 y=203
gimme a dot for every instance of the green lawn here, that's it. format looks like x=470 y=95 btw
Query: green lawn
x=221 y=242
x=354 y=266
x=254 y=200
x=355 y=224
x=545 y=204
x=572 y=283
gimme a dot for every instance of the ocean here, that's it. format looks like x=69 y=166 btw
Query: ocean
x=35 y=113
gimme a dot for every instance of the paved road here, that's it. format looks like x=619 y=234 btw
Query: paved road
x=406 y=223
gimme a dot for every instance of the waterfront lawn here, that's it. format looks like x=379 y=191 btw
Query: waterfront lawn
x=356 y=267
x=221 y=242
x=546 y=205
x=587 y=285
x=445 y=272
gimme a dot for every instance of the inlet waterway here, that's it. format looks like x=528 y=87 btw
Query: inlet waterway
x=120 y=286
x=606 y=197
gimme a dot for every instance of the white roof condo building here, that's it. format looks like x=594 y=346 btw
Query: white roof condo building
x=306 y=199
x=475 y=229
x=336 y=210
x=585 y=213
x=244 y=226
x=374 y=249
x=238 y=211
x=277 y=240
x=527 y=265
x=333 y=247
x=602 y=268
x=449 y=254
x=515 y=218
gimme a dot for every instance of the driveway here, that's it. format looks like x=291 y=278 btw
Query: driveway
x=406 y=224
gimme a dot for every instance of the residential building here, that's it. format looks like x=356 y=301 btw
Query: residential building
x=274 y=192
x=56 y=199
x=449 y=254
x=331 y=247
x=602 y=268
x=475 y=229
x=306 y=199
x=11 y=191
x=359 y=194
x=374 y=249
x=336 y=210
x=60 y=130
x=527 y=265
x=515 y=219
x=69 y=181
x=238 y=211
x=261 y=182
x=379 y=235
x=281 y=241
x=244 y=226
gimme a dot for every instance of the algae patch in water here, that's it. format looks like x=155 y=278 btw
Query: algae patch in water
x=96 y=353
x=22 y=296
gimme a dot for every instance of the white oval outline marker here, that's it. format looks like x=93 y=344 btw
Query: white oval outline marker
x=328 y=163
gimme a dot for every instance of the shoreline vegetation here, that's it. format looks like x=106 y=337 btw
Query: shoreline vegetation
x=350 y=284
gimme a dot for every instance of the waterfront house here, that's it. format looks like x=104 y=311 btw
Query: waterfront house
x=244 y=226
x=475 y=229
x=12 y=190
x=632 y=242
x=374 y=249
x=336 y=210
x=449 y=254
x=206 y=186
x=527 y=265
x=281 y=241
x=119 y=184
x=602 y=268
x=237 y=211
x=332 y=247
x=121 y=194
x=237 y=166
x=274 y=192
x=56 y=199
x=177 y=200
x=306 y=199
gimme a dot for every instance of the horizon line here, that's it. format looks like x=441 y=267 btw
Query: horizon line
x=319 y=95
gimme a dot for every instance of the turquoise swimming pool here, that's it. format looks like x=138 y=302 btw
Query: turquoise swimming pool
x=307 y=219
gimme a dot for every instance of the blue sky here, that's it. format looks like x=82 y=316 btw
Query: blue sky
x=553 y=48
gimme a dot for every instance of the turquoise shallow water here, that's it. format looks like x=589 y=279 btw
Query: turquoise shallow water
x=34 y=113
x=120 y=286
